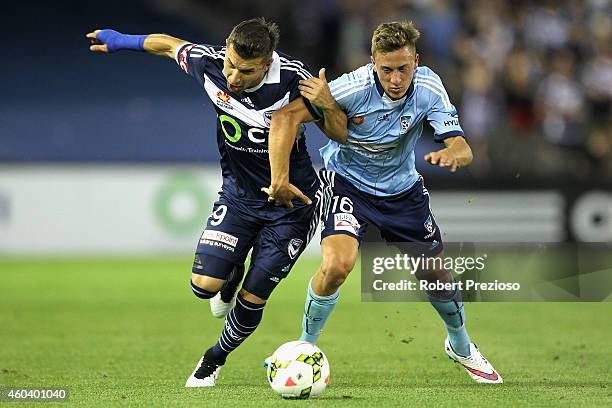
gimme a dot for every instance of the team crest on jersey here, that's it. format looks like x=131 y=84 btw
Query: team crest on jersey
x=223 y=100
x=268 y=117
x=358 y=120
x=294 y=247
x=429 y=226
x=405 y=122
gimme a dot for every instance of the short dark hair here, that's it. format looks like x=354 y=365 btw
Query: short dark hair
x=254 y=38
x=389 y=37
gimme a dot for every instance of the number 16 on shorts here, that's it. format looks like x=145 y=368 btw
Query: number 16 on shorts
x=343 y=218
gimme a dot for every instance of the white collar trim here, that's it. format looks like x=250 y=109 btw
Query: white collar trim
x=272 y=76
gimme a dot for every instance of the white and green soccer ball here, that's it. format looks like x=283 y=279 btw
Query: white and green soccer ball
x=298 y=369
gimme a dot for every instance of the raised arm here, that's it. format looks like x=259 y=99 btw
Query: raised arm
x=112 y=41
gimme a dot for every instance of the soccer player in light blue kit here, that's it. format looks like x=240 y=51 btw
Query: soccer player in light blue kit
x=372 y=177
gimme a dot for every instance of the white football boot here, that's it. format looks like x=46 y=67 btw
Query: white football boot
x=205 y=374
x=219 y=308
x=476 y=365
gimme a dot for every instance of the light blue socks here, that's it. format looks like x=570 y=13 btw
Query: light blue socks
x=318 y=308
x=454 y=318
x=316 y=311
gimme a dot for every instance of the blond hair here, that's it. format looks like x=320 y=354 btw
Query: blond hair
x=393 y=36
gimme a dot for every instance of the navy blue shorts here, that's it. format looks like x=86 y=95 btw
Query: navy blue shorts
x=405 y=217
x=276 y=235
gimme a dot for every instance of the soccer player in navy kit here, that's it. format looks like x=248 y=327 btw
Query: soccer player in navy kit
x=373 y=175
x=247 y=81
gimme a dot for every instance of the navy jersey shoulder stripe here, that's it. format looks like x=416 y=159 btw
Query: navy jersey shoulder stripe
x=295 y=65
x=200 y=51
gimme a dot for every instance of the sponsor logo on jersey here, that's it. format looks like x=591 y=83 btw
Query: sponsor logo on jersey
x=247 y=101
x=405 y=122
x=358 y=120
x=249 y=116
x=275 y=279
x=294 y=247
x=346 y=222
x=384 y=116
x=223 y=100
x=453 y=122
x=182 y=60
x=219 y=239
x=247 y=149
x=286 y=268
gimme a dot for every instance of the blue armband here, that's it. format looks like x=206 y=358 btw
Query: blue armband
x=116 y=41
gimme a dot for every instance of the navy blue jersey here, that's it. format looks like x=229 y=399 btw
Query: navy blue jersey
x=243 y=121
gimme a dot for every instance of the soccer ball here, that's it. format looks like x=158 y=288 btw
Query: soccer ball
x=298 y=369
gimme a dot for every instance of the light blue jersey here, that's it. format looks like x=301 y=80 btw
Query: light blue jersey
x=378 y=157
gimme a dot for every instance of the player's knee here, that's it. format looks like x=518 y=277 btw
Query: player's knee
x=251 y=297
x=209 y=274
x=335 y=269
x=434 y=275
x=205 y=287
x=435 y=271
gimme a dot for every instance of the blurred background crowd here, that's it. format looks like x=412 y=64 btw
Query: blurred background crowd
x=532 y=80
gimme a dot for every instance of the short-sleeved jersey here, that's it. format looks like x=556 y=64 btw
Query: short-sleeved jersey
x=378 y=157
x=243 y=121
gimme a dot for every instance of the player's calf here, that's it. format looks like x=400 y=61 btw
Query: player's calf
x=339 y=257
x=449 y=305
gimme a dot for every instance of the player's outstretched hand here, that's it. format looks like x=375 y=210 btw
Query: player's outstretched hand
x=282 y=195
x=443 y=158
x=316 y=90
x=112 y=41
x=97 y=45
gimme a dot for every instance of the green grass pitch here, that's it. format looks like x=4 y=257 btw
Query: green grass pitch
x=127 y=332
